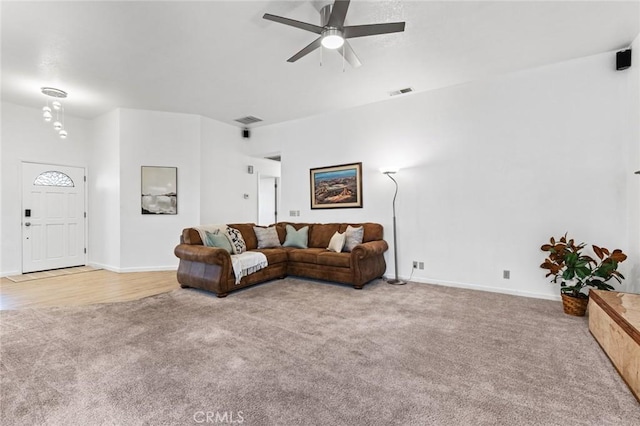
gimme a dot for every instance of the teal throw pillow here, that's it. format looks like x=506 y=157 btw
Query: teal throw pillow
x=297 y=238
x=218 y=240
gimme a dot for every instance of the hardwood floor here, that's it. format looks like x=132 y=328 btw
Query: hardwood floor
x=85 y=289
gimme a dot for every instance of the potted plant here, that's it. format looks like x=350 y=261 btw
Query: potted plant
x=575 y=270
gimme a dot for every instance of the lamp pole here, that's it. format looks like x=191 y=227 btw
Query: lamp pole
x=394 y=281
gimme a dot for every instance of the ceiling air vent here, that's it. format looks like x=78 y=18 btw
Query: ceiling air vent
x=249 y=119
x=401 y=91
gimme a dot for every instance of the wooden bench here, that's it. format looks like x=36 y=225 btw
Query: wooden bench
x=614 y=321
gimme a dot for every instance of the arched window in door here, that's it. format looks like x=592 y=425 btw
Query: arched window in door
x=53 y=178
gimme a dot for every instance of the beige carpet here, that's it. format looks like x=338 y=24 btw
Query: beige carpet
x=51 y=273
x=297 y=352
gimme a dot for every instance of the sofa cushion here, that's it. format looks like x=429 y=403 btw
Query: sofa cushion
x=321 y=233
x=329 y=258
x=219 y=240
x=275 y=255
x=353 y=237
x=296 y=238
x=308 y=255
x=267 y=237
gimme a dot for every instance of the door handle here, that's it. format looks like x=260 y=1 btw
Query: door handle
x=27 y=224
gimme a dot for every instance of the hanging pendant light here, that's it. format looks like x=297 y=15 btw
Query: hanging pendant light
x=46 y=113
x=62 y=132
x=58 y=125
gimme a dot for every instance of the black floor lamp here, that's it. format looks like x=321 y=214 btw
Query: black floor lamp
x=394 y=281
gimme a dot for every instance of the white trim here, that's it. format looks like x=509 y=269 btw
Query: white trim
x=134 y=269
x=102 y=266
x=484 y=288
x=9 y=274
x=150 y=268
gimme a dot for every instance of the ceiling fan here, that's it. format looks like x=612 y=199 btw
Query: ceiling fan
x=333 y=33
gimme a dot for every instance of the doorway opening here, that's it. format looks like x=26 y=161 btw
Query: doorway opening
x=268 y=200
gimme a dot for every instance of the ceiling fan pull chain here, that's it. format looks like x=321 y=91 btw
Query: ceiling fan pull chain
x=321 y=49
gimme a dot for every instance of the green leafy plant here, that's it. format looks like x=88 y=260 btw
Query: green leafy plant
x=575 y=270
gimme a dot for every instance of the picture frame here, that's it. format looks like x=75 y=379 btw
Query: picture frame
x=159 y=190
x=336 y=186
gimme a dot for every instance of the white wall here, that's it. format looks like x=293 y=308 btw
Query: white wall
x=26 y=137
x=225 y=179
x=104 y=192
x=113 y=148
x=633 y=276
x=151 y=138
x=489 y=170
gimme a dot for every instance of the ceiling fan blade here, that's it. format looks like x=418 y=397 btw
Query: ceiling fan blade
x=349 y=55
x=293 y=23
x=338 y=13
x=373 y=29
x=310 y=48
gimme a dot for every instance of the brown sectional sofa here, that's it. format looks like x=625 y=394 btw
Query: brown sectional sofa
x=210 y=268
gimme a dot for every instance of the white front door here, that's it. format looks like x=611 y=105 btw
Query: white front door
x=53 y=217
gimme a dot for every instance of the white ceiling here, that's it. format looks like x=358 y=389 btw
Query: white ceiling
x=222 y=60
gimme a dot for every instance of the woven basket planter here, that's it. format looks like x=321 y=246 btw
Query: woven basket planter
x=575 y=306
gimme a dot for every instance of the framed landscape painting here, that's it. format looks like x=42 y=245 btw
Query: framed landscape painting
x=159 y=190
x=336 y=186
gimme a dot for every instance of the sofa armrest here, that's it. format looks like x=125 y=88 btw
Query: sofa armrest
x=372 y=248
x=203 y=254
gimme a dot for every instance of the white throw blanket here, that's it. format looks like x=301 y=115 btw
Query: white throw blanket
x=247 y=263
x=202 y=230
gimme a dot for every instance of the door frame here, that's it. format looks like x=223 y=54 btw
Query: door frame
x=86 y=209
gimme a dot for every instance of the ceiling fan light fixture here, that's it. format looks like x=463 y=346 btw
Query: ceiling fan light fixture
x=334 y=33
x=332 y=38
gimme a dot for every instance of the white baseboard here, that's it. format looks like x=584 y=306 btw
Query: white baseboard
x=484 y=288
x=108 y=268
x=150 y=268
x=9 y=273
x=133 y=269
x=103 y=266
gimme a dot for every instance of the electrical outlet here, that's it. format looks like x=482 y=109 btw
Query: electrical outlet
x=421 y=265
x=506 y=274
x=415 y=264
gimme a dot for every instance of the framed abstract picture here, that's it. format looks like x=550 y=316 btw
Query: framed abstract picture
x=336 y=186
x=159 y=190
